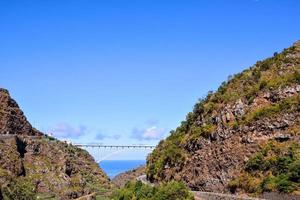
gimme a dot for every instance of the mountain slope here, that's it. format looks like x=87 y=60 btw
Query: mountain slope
x=34 y=165
x=12 y=119
x=210 y=149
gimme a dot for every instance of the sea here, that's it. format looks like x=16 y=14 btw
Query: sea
x=114 y=167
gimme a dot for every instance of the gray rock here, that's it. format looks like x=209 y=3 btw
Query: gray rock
x=282 y=137
x=239 y=108
x=297 y=88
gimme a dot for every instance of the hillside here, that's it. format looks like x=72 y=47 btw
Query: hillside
x=34 y=165
x=242 y=138
x=121 y=179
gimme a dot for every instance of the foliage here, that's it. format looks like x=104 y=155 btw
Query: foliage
x=281 y=81
x=272 y=109
x=296 y=77
x=50 y=138
x=170 y=155
x=21 y=188
x=263 y=84
x=275 y=168
x=139 y=191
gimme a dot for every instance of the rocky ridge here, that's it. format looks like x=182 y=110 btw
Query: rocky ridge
x=34 y=165
x=12 y=119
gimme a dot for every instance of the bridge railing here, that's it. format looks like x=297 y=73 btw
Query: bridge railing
x=116 y=146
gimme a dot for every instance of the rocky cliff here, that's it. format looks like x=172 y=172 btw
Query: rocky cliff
x=12 y=119
x=256 y=112
x=33 y=165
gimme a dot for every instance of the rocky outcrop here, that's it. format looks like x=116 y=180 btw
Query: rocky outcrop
x=216 y=160
x=34 y=165
x=212 y=145
x=12 y=119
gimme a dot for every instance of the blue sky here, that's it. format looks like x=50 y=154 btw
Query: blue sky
x=127 y=72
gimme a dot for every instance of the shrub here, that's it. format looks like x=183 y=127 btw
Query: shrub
x=255 y=163
x=173 y=190
x=281 y=165
x=256 y=74
x=294 y=171
x=264 y=66
x=251 y=92
x=263 y=85
x=275 y=168
x=139 y=191
x=233 y=185
x=21 y=189
x=296 y=77
x=268 y=184
x=168 y=154
x=249 y=183
x=283 y=184
x=207 y=129
x=209 y=107
x=270 y=110
x=275 y=82
x=173 y=156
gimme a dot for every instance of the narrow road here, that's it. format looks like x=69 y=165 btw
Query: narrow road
x=220 y=196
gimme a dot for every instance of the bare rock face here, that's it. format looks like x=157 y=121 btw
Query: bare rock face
x=211 y=167
x=33 y=165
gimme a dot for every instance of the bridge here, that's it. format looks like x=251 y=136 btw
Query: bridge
x=105 y=151
x=98 y=151
x=115 y=146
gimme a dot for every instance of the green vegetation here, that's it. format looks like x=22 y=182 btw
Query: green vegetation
x=139 y=191
x=275 y=168
x=50 y=138
x=80 y=179
x=21 y=188
x=170 y=155
x=285 y=105
x=24 y=188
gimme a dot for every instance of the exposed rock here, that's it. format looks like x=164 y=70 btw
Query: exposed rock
x=239 y=108
x=282 y=137
x=12 y=120
x=288 y=91
x=260 y=101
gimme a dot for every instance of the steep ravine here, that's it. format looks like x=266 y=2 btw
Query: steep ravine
x=35 y=165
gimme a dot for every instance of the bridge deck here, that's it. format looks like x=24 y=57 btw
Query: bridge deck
x=115 y=146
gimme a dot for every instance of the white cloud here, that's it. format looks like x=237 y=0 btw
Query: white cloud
x=151 y=133
x=65 y=130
